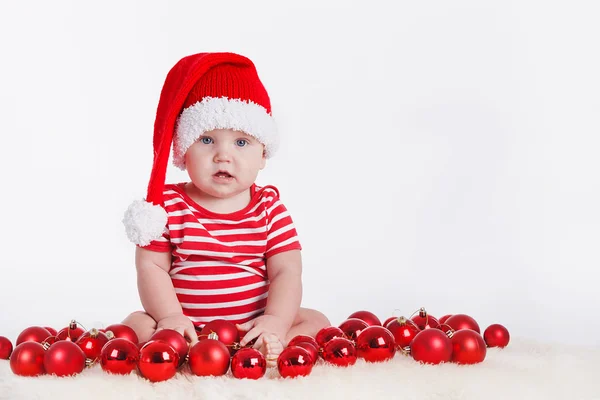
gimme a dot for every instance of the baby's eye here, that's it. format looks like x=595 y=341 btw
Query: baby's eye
x=206 y=140
x=241 y=142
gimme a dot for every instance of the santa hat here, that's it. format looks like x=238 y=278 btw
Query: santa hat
x=202 y=92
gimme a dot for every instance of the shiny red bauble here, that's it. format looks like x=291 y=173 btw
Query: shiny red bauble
x=64 y=358
x=340 y=352
x=248 y=363
x=425 y=321
x=468 y=347
x=462 y=321
x=328 y=333
x=312 y=350
x=70 y=333
x=226 y=331
x=209 y=357
x=387 y=321
x=27 y=359
x=431 y=346
x=175 y=340
x=122 y=331
x=119 y=356
x=294 y=361
x=33 y=334
x=303 y=338
x=6 y=348
x=352 y=327
x=375 y=344
x=92 y=342
x=366 y=316
x=496 y=335
x=404 y=331
x=158 y=361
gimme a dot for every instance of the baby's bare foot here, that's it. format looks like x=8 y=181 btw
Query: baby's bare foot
x=271 y=347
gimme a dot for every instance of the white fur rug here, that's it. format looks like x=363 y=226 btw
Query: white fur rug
x=523 y=370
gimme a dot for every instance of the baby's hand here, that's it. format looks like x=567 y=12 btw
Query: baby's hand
x=261 y=325
x=181 y=324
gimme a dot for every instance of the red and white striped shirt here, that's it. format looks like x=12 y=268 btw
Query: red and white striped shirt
x=219 y=260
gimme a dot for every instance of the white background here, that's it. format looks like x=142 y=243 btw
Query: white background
x=435 y=154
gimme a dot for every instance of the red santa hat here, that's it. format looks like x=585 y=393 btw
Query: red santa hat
x=202 y=92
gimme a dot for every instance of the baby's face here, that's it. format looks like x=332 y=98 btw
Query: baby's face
x=223 y=162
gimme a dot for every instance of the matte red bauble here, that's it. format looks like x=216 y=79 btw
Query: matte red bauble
x=226 y=330
x=425 y=321
x=6 y=348
x=123 y=331
x=209 y=357
x=468 y=347
x=404 y=331
x=366 y=316
x=387 y=321
x=158 y=361
x=27 y=359
x=119 y=356
x=328 y=333
x=294 y=361
x=443 y=319
x=496 y=335
x=462 y=321
x=175 y=340
x=52 y=331
x=33 y=334
x=248 y=363
x=64 y=358
x=375 y=344
x=352 y=327
x=340 y=352
x=431 y=346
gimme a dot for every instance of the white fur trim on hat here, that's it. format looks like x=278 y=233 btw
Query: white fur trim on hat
x=223 y=113
x=144 y=222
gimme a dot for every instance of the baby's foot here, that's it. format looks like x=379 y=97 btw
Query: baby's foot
x=271 y=347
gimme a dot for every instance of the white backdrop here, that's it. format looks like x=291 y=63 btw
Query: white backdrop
x=437 y=154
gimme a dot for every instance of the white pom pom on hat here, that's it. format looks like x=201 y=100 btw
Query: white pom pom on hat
x=202 y=92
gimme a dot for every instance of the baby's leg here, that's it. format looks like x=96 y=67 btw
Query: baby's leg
x=308 y=322
x=142 y=323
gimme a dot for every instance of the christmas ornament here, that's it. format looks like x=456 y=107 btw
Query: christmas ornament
x=444 y=318
x=387 y=321
x=119 y=356
x=248 y=363
x=27 y=359
x=91 y=343
x=64 y=358
x=375 y=344
x=468 y=347
x=328 y=333
x=303 y=338
x=352 y=327
x=226 y=331
x=462 y=321
x=425 y=321
x=294 y=361
x=33 y=334
x=175 y=340
x=496 y=335
x=71 y=332
x=431 y=346
x=312 y=350
x=49 y=341
x=404 y=331
x=209 y=357
x=158 y=361
x=340 y=351
x=122 y=331
x=6 y=348
x=366 y=316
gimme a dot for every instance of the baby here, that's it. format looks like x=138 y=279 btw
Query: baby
x=218 y=246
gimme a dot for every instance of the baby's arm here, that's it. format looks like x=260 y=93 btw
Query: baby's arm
x=157 y=293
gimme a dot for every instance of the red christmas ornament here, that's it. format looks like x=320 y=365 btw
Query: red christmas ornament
x=462 y=321
x=27 y=359
x=226 y=331
x=387 y=321
x=119 y=356
x=158 y=361
x=209 y=357
x=122 y=331
x=404 y=331
x=175 y=340
x=71 y=332
x=248 y=363
x=64 y=358
x=366 y=316
x=6 y=348
x=312 y=350
x=328 y=333
x=468 y=347
x=340 y=352
x=352 y=327
x=425 y=321
x=444 y=319
x=431 y=346
x=303 y=338
x=33 y=334
x=496 y=335
x=294 y=361
x=375 y=344
x=92 y=342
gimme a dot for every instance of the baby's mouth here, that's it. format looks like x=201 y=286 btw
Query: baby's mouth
x=223 y=174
